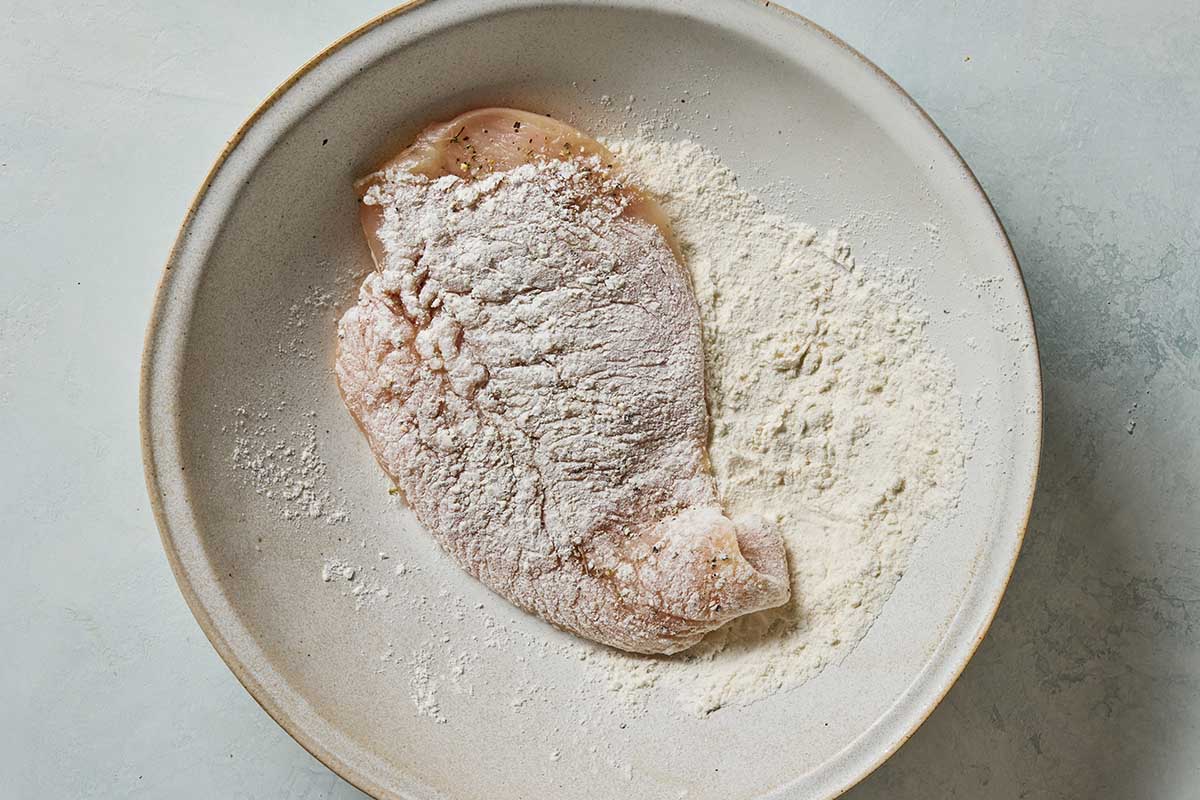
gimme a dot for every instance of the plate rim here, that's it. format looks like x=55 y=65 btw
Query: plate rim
x=855 y=772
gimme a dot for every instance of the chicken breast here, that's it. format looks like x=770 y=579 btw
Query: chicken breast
x=527 y=366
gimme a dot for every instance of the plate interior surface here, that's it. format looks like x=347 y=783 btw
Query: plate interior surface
x=243 y=330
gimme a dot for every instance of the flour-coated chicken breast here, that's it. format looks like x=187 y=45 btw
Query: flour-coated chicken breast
x=527 y=366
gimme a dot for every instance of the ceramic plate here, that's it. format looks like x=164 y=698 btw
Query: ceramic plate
x=237 y=372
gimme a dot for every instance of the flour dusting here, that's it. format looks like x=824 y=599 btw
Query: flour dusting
x=827 y=407
x=361 y=585
x=284 y=466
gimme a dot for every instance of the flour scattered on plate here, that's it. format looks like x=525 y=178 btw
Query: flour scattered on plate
x=283 y=465
x=295 y=342
x=360 y=584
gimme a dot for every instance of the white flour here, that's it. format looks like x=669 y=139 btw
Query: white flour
x=284 y=467
x=363 y=587
x=827 y=408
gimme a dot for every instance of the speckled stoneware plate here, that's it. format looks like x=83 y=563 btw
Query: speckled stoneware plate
x=239 y=352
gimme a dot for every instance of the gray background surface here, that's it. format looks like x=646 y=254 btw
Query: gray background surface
x=1081 y=120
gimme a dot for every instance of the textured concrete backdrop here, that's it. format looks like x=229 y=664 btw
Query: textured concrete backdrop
x=1082 y=121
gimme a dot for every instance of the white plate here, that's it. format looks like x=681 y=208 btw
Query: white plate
x=276 y=218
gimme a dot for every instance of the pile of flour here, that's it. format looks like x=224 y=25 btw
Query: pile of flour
x=829 y=413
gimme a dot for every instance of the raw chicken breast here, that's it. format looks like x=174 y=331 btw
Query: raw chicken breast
x=527 y=366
